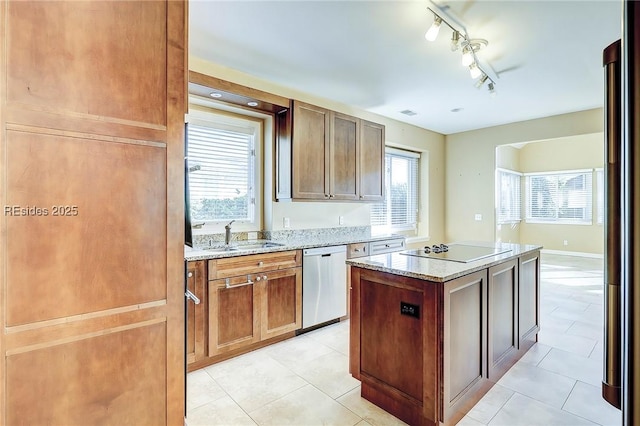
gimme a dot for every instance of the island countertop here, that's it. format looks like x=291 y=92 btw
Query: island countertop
x=435 y=269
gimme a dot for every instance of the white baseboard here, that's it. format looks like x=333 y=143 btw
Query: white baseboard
x=573 y=253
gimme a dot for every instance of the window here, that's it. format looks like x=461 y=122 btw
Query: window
x=508 y=197
x=222 y=150
x=399 y=210
x=600 y=196
x=563 y=197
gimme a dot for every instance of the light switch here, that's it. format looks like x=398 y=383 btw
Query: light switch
x=341 y=220
x=286 y=222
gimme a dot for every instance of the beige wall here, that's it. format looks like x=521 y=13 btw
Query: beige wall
x=470 y=173
x=320 y=215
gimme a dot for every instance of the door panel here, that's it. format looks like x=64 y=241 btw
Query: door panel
x=92 y=117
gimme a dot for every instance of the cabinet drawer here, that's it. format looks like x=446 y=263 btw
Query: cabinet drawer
x=386 y=246
x=253 y=264
x=357 y=250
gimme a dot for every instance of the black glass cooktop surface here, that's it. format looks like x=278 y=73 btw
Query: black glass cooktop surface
x=458 y=252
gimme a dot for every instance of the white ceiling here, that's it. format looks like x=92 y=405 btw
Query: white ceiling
x=545 y=56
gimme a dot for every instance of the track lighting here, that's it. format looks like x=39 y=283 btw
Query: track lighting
x=474 y=71
x=481 y=81
x=467 y=56
x=432 y=32
x=455 y=41
x=492 y=89
x=460 y=40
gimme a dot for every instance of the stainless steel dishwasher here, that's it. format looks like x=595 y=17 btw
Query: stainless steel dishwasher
x=324 y=285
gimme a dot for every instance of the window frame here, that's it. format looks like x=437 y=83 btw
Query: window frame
x=205 y=115
x=498 y=195
x=413 y=202
x=588 y=210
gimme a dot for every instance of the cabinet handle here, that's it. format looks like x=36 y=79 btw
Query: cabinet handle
x=227 y=283
x=356 y=250
x=326 y=195
x=192 y=296
x=190 y=274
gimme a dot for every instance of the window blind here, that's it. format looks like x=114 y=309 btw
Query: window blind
x=222 y=188
x=508 y=196
x=399 y=210
x=560 y=197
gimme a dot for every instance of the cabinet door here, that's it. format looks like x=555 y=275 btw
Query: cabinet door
x=371 y=154
x=196 y=314
x=503 y=316
x=234 y=314
x=529 y=299
x=343 y=160
x=310 y=145
x=465 y=339
x=281 y=302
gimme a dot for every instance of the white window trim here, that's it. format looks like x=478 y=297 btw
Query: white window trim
x=402 y=228
x=206 y=115
x=497 y=196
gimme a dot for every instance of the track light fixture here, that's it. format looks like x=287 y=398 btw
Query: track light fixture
x=432 y=32
x=455 y=41
x=469 y=46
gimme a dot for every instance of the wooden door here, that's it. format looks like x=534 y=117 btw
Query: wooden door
x=343 y=160
x=234 y=314
x=281 y=302
x=371 y=155
x=310 y=145
x=91 y=270
x=196 y=313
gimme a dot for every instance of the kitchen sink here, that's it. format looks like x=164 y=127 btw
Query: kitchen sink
x=244 y=246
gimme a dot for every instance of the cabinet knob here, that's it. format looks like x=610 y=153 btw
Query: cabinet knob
x=258 y=278
x=362 y=197
x=331 y=196
x=260 y=263
x=264 y=277
x=190 y=274
x=326 y=195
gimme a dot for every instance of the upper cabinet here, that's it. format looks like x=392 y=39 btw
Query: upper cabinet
x=332 y=156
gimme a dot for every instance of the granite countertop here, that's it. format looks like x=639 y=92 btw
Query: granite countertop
x=246 y=247
x=435 y=269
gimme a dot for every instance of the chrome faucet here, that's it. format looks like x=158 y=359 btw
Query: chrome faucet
x=227 y=233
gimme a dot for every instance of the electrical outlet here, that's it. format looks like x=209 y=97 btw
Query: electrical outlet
x=341 y=220
x=478 y=216
x=565 y=242
x=286 y=222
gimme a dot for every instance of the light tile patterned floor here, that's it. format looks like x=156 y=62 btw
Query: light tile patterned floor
x=305 y=380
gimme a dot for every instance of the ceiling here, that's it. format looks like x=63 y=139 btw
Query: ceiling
x=545 y=56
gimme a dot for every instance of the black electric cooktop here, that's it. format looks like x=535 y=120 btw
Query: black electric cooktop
x=456 y=252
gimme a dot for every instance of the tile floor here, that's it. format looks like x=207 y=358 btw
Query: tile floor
x=305 y=380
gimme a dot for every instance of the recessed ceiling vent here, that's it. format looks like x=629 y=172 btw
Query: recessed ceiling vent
x=408 y=112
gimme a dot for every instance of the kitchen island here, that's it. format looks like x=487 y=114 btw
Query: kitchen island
x=430 y=337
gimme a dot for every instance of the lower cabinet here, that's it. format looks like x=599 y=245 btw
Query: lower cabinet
x=251 y=308
x=196 y=313
x=280 y=302
x=503 y=317
x=247 y=309
x=234 y=314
